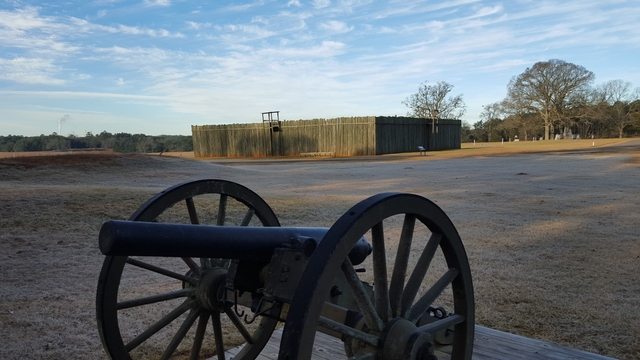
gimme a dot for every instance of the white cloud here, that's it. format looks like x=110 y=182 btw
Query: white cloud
x=83 y=76
x=26 y=29
x=507 y=64
x=404 y=8
x=244 y=7
x=157 y=2
x=37 y=43
x=197 y=26
x=136 y=30
x=240 y=47
x=486 y=10
x=24 y=19
x=120 y=82
x=57 y=37
x=237 y=33
x=326 y=49
x=29 y=71
x=294 y=3
x=136 y=57
x=319 y=4
x=335 y=26
x=105 y=2
x=79 y=94
x=259 y=19
x=387 y=30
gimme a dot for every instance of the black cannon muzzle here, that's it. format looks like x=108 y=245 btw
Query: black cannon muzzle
x=137 y=238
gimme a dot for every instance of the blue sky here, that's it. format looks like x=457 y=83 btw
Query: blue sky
x=159 y=66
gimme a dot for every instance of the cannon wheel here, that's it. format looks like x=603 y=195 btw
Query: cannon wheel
x=254 y=211
x=392 y=315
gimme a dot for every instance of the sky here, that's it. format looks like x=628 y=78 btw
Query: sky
x=159 y=66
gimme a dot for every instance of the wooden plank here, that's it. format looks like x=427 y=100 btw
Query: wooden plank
x=494 y=344
x=489 y=344
x=325 y=347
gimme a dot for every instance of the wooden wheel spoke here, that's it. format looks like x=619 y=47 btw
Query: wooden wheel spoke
x=421 y=306
x=161 y=271
x=222 y=210
x=361 y=297
x=182 y=332
x=238 y=324
x=191 y=208
x=348 y=331
x=419 y=272
x=154 y=299
x=402 y=260
x=199 y=337
x=193 y=266
x=164 y=321
x=217 y=334
x=381 y=288
x=442 y=324
x=247 y=217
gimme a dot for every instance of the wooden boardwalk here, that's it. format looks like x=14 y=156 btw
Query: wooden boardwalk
x=489 y=344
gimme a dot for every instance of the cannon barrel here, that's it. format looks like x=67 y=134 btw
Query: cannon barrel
x=138 y=238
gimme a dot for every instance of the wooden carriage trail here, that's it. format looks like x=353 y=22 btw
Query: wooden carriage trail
x=489 y=344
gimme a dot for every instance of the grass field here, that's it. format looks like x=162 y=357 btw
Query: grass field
x=552 y=231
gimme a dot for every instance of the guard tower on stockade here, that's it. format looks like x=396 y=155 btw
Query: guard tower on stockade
x=273 y=119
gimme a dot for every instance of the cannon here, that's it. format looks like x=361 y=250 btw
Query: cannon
x=205 y=266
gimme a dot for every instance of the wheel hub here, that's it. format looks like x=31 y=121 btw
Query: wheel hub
x=211 y=289
x=402 y=341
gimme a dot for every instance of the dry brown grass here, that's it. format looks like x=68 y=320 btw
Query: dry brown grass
x=553 y=236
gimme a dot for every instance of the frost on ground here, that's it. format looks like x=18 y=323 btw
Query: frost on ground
x=553 y=236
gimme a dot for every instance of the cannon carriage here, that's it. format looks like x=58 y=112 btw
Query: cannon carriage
x=205 y=265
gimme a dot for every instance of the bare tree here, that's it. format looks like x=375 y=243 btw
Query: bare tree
x=614 y=91
x=491 y=111
x=527 y=118
x=509 y=128
x=617 y=104
x=491 y=115
x=431 y=102
x=547 y=87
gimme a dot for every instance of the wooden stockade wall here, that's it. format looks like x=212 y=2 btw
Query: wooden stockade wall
x=340 y=136
x=404 y=134
x=352 y=136
x=230 y=140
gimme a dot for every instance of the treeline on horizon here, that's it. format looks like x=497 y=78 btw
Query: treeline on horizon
x=120 y=142
x=550 y=100
x=509 y=129
x=557 y=99
x=602 y=120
